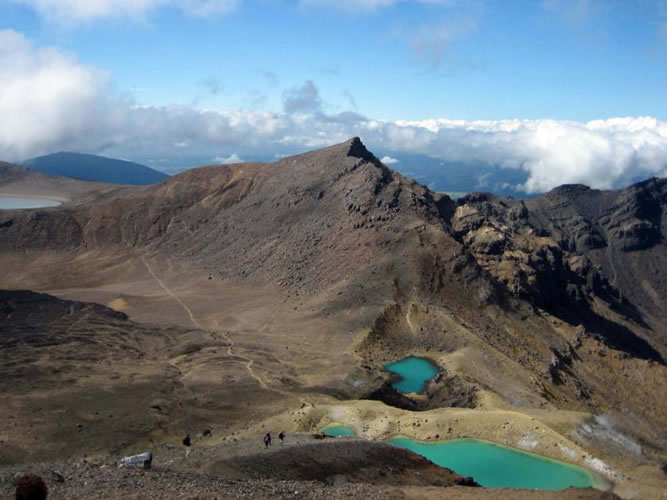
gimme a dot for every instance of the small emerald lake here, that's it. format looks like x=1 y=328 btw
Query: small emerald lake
x=16 y=202
x=496 y=466
x=413 y=372
x=339 y=430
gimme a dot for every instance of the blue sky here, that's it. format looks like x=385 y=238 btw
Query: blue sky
x=300 y=74
x=515 y=59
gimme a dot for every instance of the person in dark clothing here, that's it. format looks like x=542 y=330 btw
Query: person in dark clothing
x=281 y=436
x=187 y=442
x=267 y=439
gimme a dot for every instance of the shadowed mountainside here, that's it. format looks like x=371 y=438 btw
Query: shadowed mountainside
x=75 y=366
x=576 y=252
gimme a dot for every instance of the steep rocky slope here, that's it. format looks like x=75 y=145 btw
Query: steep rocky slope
x=584 y=255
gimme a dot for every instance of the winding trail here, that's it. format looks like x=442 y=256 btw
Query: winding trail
x=248 y=361
x=187 y=309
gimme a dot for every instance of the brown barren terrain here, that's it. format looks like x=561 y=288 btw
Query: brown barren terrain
x=252 y=297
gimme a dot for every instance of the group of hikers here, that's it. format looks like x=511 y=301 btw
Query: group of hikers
x=187 y=441
x=267 y=438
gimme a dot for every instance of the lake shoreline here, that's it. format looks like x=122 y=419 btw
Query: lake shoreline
x=598 y=481
x=30 y=201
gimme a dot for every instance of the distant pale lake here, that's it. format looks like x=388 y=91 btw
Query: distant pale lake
x=11 y=202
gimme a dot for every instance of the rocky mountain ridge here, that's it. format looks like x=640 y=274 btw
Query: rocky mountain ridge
x=283 y=222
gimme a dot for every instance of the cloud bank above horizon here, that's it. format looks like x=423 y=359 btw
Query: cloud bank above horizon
x=49 y=101
x=77 y=11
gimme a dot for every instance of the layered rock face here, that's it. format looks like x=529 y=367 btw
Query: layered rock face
x=576 y=252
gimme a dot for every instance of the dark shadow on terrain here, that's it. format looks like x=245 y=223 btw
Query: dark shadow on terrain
x=442 y=392
x=354 y=459
x=627 y=308
x=390 y=396
x=608 y=332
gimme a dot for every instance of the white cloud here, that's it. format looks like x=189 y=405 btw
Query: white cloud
x=367 y=4
x=600 y=153
x=68 y=11
x=45 y=96
x=50 y=102
x=304 y=99
x=388 y=160
x=228 y=160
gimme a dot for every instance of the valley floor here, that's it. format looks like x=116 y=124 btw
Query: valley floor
x=244 y=360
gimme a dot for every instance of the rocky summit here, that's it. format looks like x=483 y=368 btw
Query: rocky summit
x=261 y=297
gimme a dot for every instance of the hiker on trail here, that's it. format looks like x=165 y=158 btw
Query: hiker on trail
x=281 y=436
x=187 y=442
x=267 y=439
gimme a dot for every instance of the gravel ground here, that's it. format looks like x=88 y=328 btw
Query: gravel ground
x=283 y=471
x=86 y=480
x=300 y=468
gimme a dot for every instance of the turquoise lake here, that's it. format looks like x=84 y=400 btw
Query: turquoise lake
x=339 y=430
x=11 y=202
x=496 y=466
x=414 y=373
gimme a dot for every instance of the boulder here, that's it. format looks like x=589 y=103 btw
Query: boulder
x=142 y=460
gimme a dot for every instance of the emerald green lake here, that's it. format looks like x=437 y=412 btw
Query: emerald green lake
x=414 y=373
x=497 y=466
x=339 y=430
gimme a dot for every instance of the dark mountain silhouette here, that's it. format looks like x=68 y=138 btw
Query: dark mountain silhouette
x=95 y=168
x=16 y=180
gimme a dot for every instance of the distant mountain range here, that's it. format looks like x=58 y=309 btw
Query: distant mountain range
x=95 y=168
x=458 y=177
x=451 y=177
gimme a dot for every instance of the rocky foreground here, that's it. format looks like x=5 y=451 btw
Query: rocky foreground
x=301 y=467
